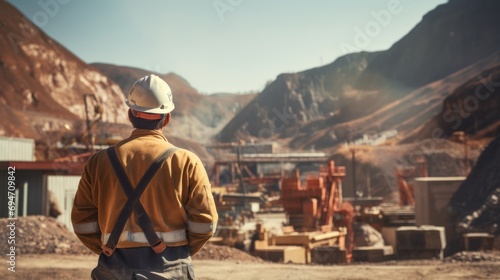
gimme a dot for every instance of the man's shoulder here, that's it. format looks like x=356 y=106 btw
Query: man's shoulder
x=186 y=154
x=102 y=153
x=187 y=158
x=98 y=156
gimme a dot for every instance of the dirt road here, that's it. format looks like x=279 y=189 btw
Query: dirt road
x=43 y=267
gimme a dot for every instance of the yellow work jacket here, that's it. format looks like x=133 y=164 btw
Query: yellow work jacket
x=178 y=200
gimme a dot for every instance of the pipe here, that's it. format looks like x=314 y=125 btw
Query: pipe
x=25 y=199
x=353 y=155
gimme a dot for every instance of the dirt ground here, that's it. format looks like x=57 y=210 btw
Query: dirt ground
x=53 y=266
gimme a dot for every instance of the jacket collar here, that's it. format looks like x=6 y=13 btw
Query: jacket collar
x=146 y=132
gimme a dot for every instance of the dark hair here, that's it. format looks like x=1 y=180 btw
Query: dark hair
x=146 y=124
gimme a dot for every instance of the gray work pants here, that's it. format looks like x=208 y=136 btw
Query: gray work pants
x=144 y=263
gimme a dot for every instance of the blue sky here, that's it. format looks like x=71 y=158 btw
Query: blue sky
x=224 y=45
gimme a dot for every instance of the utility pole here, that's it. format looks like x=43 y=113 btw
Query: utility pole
x=353 y=159
x=97 y=115
x=240 y=177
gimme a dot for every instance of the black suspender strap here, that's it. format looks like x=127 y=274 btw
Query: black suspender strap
x=133 y=204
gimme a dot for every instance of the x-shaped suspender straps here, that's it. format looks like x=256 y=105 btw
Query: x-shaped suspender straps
x=133 y=203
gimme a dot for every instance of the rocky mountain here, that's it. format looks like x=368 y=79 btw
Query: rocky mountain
x=421 y=125
x=196 y=116
x=448 y=39
x=44 y=85
x=299 y=98
x=430 y=111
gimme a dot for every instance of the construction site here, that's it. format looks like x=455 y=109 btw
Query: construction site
x=376 y=165
x=289 y=209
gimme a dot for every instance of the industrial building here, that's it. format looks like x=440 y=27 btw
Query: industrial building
x=35 y=179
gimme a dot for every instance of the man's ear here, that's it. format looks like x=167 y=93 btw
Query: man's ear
x=166 y=120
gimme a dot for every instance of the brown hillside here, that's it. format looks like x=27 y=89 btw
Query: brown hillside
x=473 y=107
x=412 y=116
x=43 y=84
x=376 y=165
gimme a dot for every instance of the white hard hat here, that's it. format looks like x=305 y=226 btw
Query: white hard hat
x=150 y=94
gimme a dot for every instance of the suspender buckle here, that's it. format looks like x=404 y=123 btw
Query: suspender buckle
x=108 y=251
x=160 y=247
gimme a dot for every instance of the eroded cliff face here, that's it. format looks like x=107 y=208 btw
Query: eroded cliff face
x=66 y=80
x=43 y=84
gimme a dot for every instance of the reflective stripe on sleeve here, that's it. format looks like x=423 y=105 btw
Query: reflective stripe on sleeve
x=140 y=237
x=195 y=227
x=86 y=228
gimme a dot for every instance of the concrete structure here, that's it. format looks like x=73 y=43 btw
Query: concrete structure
x=372 y=254
x=432 y=196
x=283 y=254
x=311 y=240
x=328 y=255
x=425 y=242
x=257 y=148
x=478 y=241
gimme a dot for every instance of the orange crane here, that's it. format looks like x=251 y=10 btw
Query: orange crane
x=316 y=204
x=403 y=175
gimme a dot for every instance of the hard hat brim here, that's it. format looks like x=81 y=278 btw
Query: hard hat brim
x=165 y=110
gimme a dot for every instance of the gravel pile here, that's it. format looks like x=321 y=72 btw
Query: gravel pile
x=222 y=253
x=41 y=235
x=473 y=257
